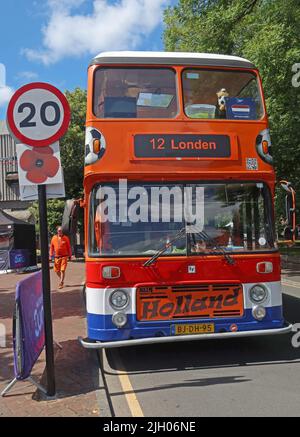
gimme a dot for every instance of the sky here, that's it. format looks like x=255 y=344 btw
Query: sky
x=54 y=40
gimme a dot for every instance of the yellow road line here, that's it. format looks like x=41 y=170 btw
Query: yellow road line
x=132 y=401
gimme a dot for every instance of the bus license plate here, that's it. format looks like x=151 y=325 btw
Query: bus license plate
x=195 y=328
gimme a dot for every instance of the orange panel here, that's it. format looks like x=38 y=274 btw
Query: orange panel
x=119 y=160
x=189 y=301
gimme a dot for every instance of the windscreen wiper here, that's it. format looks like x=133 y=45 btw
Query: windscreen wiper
x=180 y=234
x=205 y=237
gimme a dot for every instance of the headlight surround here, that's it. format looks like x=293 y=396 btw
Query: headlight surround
x=119 y=299
x=258 y=294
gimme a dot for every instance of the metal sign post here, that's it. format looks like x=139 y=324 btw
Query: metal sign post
x=38 y=116
x=51 y=389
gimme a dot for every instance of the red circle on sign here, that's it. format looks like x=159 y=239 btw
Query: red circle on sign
x=46 y=141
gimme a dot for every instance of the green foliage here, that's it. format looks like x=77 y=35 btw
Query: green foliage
x=268 y=33
x=55 y=212
x=72 y=145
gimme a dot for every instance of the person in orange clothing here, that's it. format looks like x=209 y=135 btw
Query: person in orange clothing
x=60 y=248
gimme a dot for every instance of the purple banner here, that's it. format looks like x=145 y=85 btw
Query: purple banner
x=29 y=334
x=19 y=258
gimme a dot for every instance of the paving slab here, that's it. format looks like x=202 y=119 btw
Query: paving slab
x=80 y=390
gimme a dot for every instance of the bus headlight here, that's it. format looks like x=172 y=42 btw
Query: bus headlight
x=259 y=312
x=258 y=294
x=119 y=299
x=119 y=320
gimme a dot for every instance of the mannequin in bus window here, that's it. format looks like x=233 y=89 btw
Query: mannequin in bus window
x=198 y=246
x=221 y=107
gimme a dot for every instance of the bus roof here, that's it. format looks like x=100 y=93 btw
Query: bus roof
x=171 y=58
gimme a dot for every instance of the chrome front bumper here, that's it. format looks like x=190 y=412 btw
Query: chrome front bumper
x=87 y=344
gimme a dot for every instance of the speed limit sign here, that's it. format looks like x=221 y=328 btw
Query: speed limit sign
x=38 y=114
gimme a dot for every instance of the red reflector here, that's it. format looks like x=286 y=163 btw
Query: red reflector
x=233 y=328
x=111 y=272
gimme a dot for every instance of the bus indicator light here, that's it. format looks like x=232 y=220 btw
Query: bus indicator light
x=264 y=267
x=97 y=146
x=111 y=272
x=265 y=147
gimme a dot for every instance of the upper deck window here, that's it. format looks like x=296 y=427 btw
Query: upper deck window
x=220 y=94
x=135 y=93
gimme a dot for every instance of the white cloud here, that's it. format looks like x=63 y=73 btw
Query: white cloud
x=27 y=75
x=118 y=25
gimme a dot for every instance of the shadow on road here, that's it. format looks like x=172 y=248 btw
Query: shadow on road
x=203 y=382
x=213 y=353
x=77 y=371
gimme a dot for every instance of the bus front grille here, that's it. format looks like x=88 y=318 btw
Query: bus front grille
x=189 y=301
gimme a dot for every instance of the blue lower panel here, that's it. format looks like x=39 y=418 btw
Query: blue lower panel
x=101 y=328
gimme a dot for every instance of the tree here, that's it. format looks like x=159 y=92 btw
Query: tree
x=268 y=33
x=55 y=210
x=72 y=144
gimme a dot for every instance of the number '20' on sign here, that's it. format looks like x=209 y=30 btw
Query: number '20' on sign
x=43 y=114
x=38 y=115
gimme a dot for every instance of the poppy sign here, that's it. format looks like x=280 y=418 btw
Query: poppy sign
x=39 y=165
x=38 y=115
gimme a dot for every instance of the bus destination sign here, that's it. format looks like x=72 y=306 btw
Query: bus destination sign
x=182 y=146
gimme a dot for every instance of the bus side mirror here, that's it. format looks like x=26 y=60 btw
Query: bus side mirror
x=290 y=211
x=70 y=227
x=70 y=217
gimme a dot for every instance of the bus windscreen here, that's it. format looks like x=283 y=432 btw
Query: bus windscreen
x=136 y=220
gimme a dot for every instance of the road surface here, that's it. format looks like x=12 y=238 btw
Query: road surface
x=238 y=377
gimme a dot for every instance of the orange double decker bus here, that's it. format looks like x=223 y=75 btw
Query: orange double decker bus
x=179 y=210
